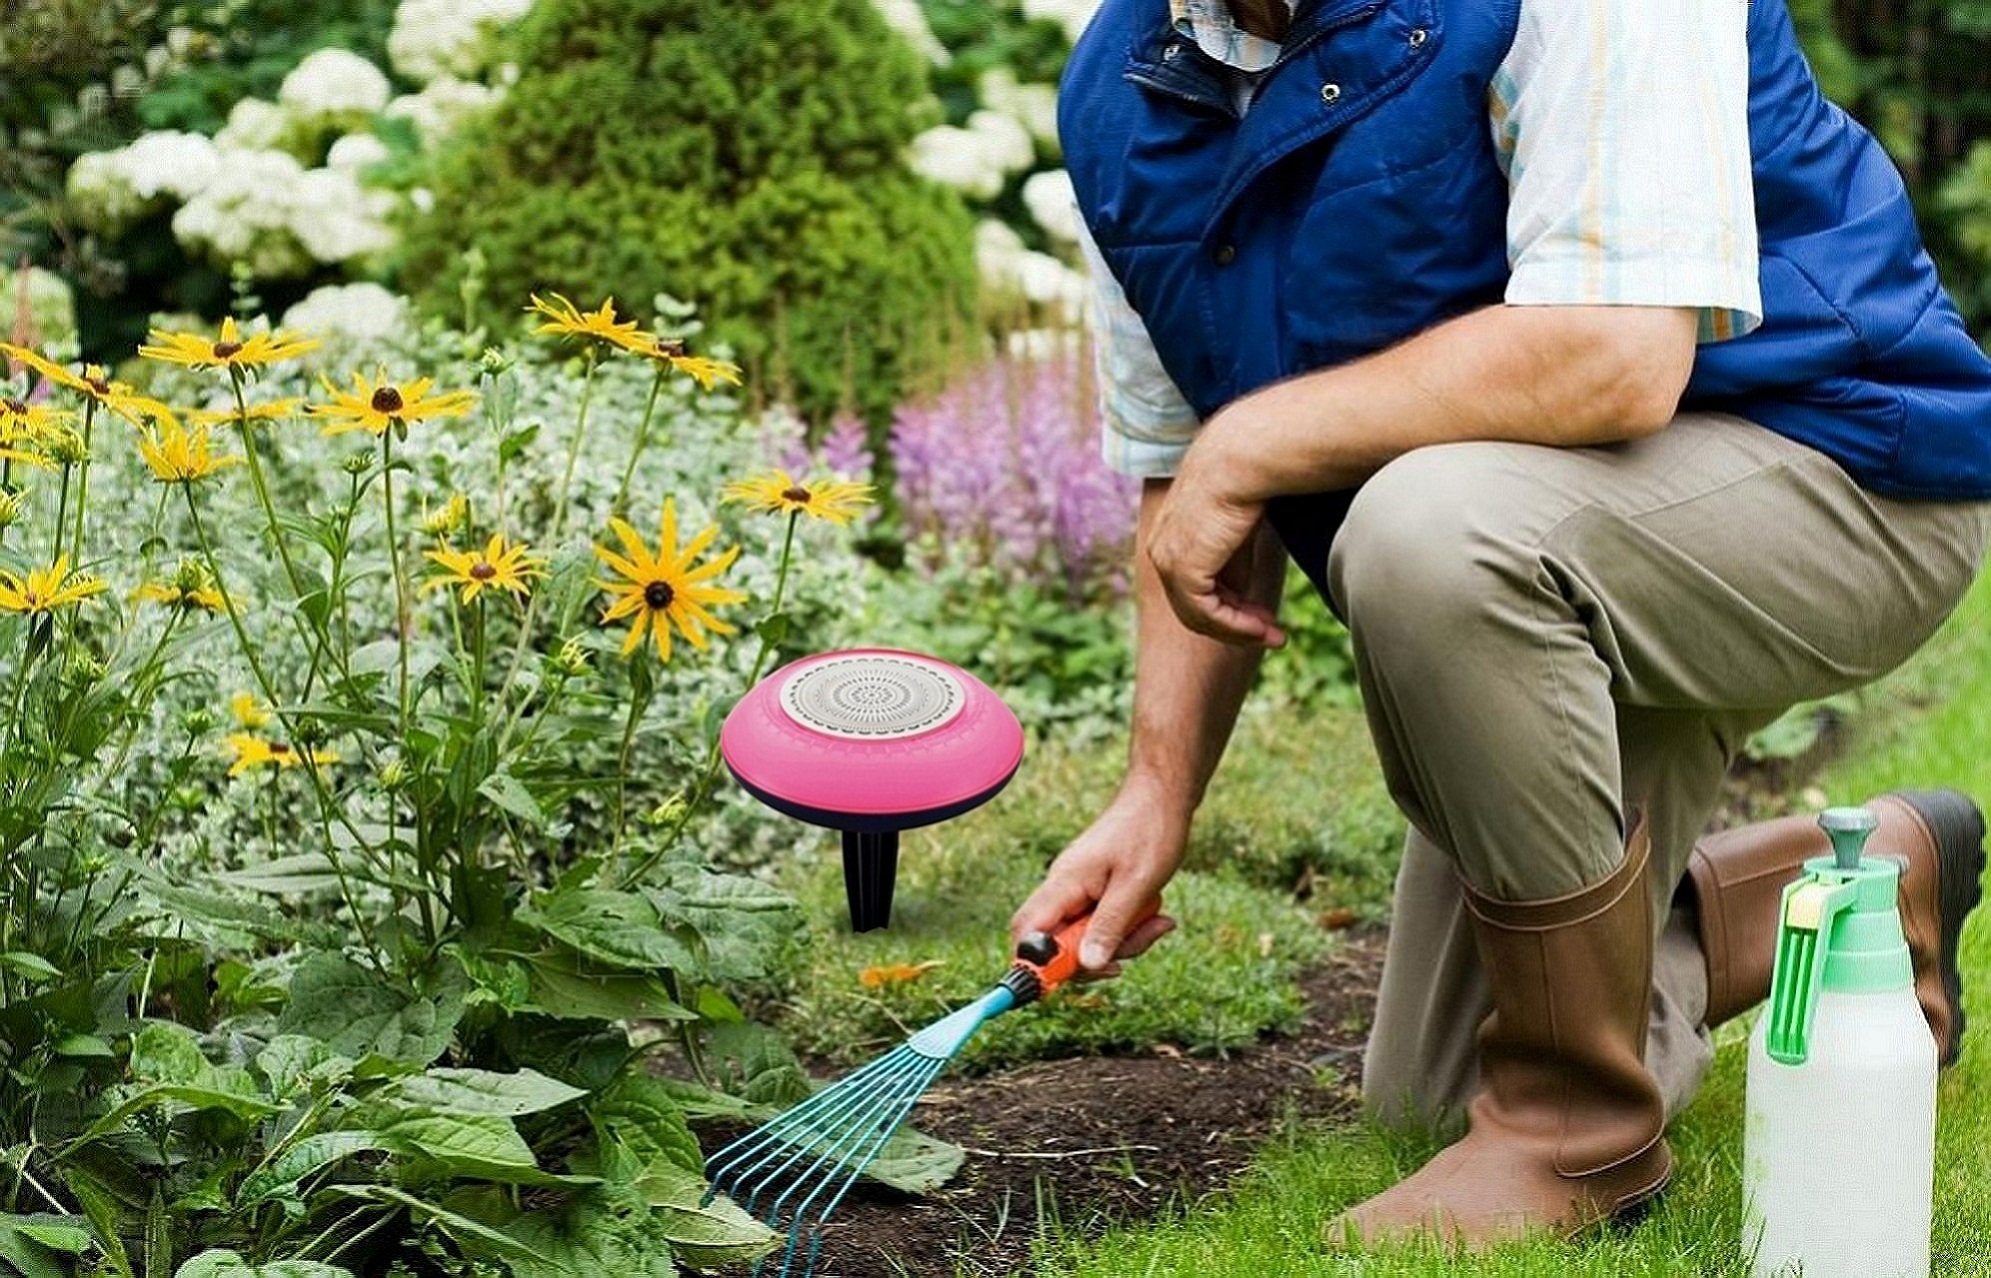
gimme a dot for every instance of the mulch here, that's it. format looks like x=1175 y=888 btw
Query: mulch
x=1105 y=1139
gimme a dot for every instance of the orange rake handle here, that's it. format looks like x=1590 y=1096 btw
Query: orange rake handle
x=1045 y=960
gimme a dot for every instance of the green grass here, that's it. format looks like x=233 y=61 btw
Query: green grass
x=1930 y=724
x=1229 y=976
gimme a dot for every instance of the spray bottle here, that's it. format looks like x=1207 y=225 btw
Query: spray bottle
x=1839 y=1156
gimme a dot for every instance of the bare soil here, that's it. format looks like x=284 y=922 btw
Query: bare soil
x=1102 y=1139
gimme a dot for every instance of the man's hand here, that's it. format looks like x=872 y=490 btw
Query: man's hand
x=1203 y=547
x=1121 y=861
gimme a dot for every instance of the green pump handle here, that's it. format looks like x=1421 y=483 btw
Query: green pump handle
x=1810 y=907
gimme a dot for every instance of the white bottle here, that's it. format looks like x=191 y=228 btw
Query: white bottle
x=1839 y=1155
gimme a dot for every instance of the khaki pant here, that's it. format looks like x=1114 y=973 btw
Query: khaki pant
x=1549 y=638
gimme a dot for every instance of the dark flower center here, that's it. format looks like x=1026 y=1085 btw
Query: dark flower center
x=388 y=400
x=672 y=347
x=481 y=571
x=100 y=385
x=17 y=408
x=227 y=350
x=797 y=494
x=279 y=748
x=658 y=594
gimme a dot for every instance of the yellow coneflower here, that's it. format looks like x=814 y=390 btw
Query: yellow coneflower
x=259 y=752
x=375 y=405
x=500 y=566
x=178 y=455
x=670 y=351
x=272 y=410
x=665 y=589
x=122 y=400
x=249 y=712
x=190 y=589
x=46 y=589
x=21 y=421
x=564 y=319
x=228 y=350
x=835 y=500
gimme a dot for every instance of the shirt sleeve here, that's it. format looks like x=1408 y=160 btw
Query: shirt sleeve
x=1624 y=129
x=1147 y=422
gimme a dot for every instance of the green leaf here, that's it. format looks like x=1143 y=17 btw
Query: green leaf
x=229 y=1264
x=564 y=985
x=756 y=1064
x=773 y=629
x=615 y=927
x=510 y=794
x=486 y=1146
x=704 y=1235
x=197 y=1098
x=83 y=1045
x=639 y=1112
x=357 y=1012
x=164 y=1053
x=294 y=1061
x=476 y=1091
x=217 y=910
x=313 y=1154
x=298 y=875
x=914 y=1163
x=35 y=1245
x=32 y=966
x=513 y=446
x=593 y=1235
x=476 y=1238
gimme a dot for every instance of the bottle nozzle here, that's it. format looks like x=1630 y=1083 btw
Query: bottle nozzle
x=1848 y=829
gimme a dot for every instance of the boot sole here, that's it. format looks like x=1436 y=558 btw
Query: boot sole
x=1957 y=827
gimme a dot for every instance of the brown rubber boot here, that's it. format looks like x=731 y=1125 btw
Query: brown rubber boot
x=1568 y=1128
x=1738 y=878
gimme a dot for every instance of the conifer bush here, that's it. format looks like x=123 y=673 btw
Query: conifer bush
x=746 y=157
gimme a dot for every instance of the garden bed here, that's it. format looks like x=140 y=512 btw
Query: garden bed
x=1092 y=1140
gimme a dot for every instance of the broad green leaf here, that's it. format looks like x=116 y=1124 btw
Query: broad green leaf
x=36 y=1245
x=357 y=1012
x=563 y=985
x=476 y=1091
x=294 y=1061
x=32 y=966
x=639 y=1113
x=615 y=927
x=83 y=1045
x=704 y=1235
x=480 y=1145
x=164 y=1053
x=757 y=1065
x=510 y=794
x=229 y=1264
x=217 y=910
x=914 y=1163
x=197 y=1098
x=591 y=1236
x=313 y=1154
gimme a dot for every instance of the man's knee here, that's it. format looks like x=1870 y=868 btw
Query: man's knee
x=1429 y=540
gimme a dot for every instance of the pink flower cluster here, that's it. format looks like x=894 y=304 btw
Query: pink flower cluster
x=1006 y=462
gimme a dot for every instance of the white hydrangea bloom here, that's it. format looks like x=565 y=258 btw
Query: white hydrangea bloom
x=112 y=188
x=337 y=220
x=443 y=106
x=1034 y=106
x=359 y=313
x=956 y=157
x=356 y=152
x=1007 y=266
x=1072 y=15
x=908 y=19
x=244 y=215
x=1053 y=205
x=256 y=125
x=434 y=38
x=1007 y=142
x=333 y=85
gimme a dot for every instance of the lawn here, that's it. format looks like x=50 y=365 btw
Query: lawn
x=1926 y=725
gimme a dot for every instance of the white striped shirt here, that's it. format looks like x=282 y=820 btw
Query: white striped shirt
x=1623 y=129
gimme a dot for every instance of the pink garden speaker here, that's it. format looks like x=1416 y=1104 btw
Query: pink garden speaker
x=871 y=742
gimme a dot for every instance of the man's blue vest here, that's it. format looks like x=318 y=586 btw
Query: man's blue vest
x=1359 y=202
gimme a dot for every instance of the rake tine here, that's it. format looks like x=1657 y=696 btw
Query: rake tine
x=804 y=1115
x=881 y=1114
x=752 y=1179
x=857 y=1167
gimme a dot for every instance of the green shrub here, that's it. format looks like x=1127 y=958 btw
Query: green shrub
x=746 y=157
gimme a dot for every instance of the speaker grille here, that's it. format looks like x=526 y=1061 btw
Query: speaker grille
x=872 y=697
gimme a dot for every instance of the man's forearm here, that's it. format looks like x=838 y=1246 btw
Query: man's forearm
x=1187 y=688
x=1558 y=375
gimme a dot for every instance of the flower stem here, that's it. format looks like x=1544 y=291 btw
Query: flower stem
x=642 y=438
x=83 y=480
x=559 y=524
x=703 y=787
x=400 y=579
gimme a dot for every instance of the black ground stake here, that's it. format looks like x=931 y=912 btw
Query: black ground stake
x=870 y=871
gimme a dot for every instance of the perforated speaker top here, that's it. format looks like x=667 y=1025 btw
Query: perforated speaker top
x=873 y=697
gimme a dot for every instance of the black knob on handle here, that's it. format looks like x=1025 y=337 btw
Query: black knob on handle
x=1037 y=947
